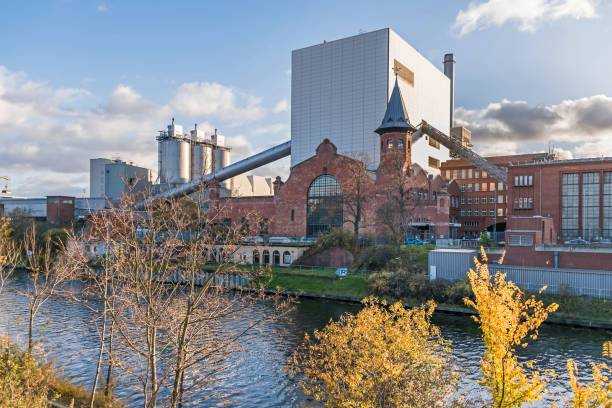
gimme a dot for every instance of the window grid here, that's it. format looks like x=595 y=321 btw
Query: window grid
x=590 y=205
x=324 y=207
x=569 y=206
x=607 y=205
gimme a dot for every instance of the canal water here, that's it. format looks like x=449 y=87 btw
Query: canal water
x=258 y=379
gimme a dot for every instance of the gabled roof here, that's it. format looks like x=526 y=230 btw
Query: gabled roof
x=396 y=117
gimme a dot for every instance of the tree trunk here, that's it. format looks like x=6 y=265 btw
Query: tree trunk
x=108 y=387
x=94 y=386
x=30 y=335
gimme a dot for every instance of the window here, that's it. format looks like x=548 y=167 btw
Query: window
x=462 y=200
x=530 y=181
x=491 y=186
x=483 y=212
x=484 y=174
x=590 y=206
x=462 y=173
x=434 y=143
x=266 y=257
x=607 y=205
x=400 y=143
x=520 y=240
x=292 y=215
x=286 y=257
x=256 y=257
x=463 y=188
x=492 y=200
x=448 y=174
x=500 y=212
x=477 y=187
x=569 y=206
x=454 y=174
x=469 y=212
x=476 y=200
x=500 y=199
x=476 y=173
x=390 y=144
x=500 y=186
x=469 y=200
x=516 y=180
x=469 y=173
x=433 y=162
x=484 y=186
x=463 y=213
x=324 y=206
x=276 y=258
x=470 y=187
x=491 y=212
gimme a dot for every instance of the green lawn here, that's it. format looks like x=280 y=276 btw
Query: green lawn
x=352 y=285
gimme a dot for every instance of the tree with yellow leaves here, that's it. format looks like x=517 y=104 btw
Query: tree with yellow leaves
x=380 y=357
x=507 y=318
x=9 y=252
x=599 y=392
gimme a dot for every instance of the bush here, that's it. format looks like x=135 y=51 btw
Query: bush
x=418 y=287
x=23 y=382
x=336 y=238
x=388 y=257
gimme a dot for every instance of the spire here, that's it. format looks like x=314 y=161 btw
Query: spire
x=396 y=117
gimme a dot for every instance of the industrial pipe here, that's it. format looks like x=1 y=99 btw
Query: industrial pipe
x=248 y=164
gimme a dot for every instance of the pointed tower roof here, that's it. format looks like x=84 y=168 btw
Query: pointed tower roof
x=396 y=117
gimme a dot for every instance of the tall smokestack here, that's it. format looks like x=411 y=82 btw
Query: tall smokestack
x=449 y=71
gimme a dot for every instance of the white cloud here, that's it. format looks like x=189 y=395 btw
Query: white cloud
x=102 y=7
x=529 y=14
x=212 y=99
x=48 y=135
x=267 y=130
x=582 y=126
x=281 y=106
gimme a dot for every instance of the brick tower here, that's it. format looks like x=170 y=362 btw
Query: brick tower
x=395 y=133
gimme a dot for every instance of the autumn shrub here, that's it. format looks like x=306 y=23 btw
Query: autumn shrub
x=24 y=383
x=380 y=357
x=417 y=287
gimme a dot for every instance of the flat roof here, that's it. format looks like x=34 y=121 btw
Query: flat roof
x=569 y=161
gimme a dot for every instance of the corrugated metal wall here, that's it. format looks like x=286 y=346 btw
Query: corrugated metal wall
x=453 y=266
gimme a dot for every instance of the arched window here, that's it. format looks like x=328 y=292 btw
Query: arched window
x=256 y=257
x=324 y=206
x=276 y=258
x=286 y=258
x=266 y=257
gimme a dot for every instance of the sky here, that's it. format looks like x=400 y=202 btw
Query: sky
x=86 y=79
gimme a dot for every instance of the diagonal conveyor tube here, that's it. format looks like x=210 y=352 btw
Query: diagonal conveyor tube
x=250 y=163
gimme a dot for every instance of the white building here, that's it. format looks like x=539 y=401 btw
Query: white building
x=340 y=89
x=97 y=176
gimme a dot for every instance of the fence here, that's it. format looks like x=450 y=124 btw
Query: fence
x=578 y=282
x=226 y=280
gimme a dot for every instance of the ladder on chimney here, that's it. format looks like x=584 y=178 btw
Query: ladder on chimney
x=457 y=147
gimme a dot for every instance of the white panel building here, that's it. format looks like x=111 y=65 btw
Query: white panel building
x=340 y=89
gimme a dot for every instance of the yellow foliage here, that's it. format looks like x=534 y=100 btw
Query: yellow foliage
x=381 y=357
x=507 y=319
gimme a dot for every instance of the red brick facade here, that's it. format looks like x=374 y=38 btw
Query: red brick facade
x=286 y=211
x=538 y=227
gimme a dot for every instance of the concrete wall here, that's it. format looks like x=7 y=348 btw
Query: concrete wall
x=97 y=176
x=120 y=176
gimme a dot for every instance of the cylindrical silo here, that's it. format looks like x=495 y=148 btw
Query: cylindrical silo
x=175 y=161
x=222 y=159
x=201 y=160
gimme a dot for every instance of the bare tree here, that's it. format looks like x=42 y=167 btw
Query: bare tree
x=48 y=273
x=165 y=265
x=9 y=252
x=357 y=191
x=401 y=197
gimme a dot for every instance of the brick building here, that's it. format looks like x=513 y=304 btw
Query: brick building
x=483 y=199
x=560 y=214
x=317 y=195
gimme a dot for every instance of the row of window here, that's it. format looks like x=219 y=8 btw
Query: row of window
x=481 y=187
x=465 y=174
x=584 y=211
x=400 y=143
x=482 y=212
x=523 y=180
x=275 y=257
x=483 y=199
x=523 y=203
x=470 y=223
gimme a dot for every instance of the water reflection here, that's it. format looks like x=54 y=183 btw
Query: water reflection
x=259 y=379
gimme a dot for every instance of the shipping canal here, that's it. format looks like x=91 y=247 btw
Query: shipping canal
x=258 y=378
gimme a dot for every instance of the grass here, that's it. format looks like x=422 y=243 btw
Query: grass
x=580 y=307
x=351 y=285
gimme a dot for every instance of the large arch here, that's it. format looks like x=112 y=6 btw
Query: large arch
x=324 y=206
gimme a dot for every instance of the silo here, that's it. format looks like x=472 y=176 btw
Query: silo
x=174 y=161
x=201 y=160
x=222 y=159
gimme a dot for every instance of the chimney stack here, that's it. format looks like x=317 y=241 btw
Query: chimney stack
x=449 y=71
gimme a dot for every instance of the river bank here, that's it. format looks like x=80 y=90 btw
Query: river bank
x=573 y=310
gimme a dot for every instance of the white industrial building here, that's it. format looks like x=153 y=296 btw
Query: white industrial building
x=111 y=178
x=340 y=89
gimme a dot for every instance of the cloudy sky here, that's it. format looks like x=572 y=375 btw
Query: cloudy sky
x=84 y=79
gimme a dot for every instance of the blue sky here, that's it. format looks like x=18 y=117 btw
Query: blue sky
x=81 y=79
